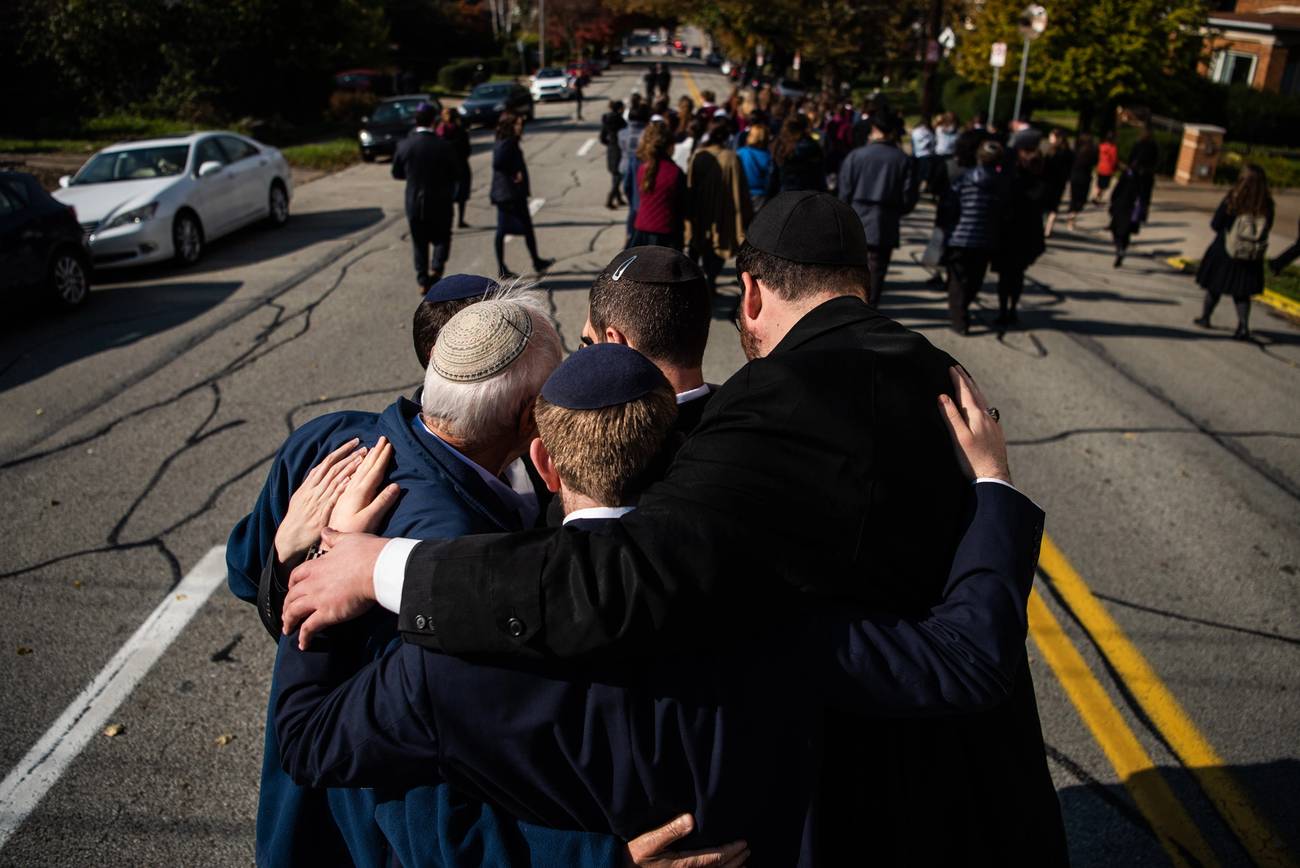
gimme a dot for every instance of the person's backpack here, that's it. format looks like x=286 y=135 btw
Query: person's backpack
x=1245 y=237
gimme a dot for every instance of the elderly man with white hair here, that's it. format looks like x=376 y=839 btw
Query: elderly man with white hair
x=443 y=469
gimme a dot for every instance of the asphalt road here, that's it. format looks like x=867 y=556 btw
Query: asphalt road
x=1166 y=636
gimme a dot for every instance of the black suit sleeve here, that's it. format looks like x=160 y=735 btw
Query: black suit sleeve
x=270 y=596
x=963 y=655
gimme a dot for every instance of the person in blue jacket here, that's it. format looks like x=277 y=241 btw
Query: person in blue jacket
x=444 y=481
x=731 y=733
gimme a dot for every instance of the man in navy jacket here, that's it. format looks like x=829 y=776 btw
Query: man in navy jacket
x=443 y=493
x=731 y=733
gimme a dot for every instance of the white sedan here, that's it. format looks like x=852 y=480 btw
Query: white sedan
x=166 y=198
x=551 y=82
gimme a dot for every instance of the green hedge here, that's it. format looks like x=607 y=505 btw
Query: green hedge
x=966 y=99
x=1168 y=144
x=1247 y=114
x=458 y=75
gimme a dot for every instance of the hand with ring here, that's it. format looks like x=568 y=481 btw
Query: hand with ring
x=977 y=437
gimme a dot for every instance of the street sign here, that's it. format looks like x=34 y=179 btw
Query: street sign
x=1033 y=21
x=948 y=39
x=998 y=56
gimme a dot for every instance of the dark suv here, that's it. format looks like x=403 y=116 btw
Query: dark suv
x=486 y=102
x=42 y=249
x=389 y=123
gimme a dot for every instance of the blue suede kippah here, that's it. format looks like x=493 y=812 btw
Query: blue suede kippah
x=602 y=375
x=458 y=286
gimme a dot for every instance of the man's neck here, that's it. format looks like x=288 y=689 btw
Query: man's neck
x=493 y=459
x=572 y=501
x=683 y=379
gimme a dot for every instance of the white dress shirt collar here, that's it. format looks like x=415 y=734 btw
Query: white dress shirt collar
x=594 y=512
x=692 y=394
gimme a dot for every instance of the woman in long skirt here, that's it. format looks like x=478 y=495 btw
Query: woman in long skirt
x=1234 y=262
x=510 y=193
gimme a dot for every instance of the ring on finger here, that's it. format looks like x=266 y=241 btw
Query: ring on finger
x=994 y=414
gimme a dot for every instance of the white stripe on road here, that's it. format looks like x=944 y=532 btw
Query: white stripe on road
x=45 y=763
x=586 y=147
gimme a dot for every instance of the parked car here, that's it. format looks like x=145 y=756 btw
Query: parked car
x=390 y=122
x=550 y=82
x=365 y=81
x=715 y=59
x=167 y=198
x=696 y=52
x=486 y=102
x=42 y=249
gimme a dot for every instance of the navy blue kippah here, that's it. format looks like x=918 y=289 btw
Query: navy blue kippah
x=602 y=375
x=458 y=286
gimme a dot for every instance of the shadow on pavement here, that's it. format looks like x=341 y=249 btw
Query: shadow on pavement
x=35 y=341
x=254 y=244
x=1104 y=827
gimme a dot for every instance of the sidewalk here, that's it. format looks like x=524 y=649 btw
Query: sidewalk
x=1191 y=208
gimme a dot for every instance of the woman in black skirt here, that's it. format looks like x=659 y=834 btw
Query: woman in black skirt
x=1234 y=262
x=510 y=193
x=453 y=131
x=1057 y=167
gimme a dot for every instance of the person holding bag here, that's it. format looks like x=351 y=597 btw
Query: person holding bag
x=1233 y=264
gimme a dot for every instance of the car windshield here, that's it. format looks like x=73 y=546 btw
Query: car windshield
x=490 y=91
x=402 y=111
x=156 y=162
x=550 y=72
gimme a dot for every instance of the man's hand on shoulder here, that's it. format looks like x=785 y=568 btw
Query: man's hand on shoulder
x=651 y=849
x=335 y=587
x=977 y=436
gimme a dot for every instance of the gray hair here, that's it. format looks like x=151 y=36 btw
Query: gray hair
x=482 y=411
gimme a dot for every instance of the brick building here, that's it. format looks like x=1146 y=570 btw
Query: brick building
x=1255 y=42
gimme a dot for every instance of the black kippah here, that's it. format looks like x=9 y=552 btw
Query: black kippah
x=809 y=228
x=457 y=286
x=652 y=264
x=602 y=375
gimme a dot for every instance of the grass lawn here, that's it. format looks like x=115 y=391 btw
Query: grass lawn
x=1064 y=118
x=327 y=156
x=97 y=133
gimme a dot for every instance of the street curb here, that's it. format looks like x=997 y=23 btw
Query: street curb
x=1275 y=300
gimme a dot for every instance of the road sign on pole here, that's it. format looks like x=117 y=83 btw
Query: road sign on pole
x=998 y=55
x=1033 y=21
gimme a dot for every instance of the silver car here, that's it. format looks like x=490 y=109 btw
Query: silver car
x=166 y=198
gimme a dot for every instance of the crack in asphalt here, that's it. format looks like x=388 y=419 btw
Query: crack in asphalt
x=261 y=347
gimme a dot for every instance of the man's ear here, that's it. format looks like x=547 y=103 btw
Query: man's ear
x=614 y=336
x=751 y=300
x=528 y=418
x=545 y=466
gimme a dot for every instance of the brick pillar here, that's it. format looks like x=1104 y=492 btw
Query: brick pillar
x=1199 y=155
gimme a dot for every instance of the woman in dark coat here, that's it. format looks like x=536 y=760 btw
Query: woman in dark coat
x=1234 y=262
x=797 y=158
x=1022 y=240
x=510 y=191
x=976 y=203
x=453 y=131
x=1085 y=156
x=1057 y=167
x=1125 y=212
x=610 y=124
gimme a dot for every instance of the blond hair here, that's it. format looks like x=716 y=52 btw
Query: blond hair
x=606 y=454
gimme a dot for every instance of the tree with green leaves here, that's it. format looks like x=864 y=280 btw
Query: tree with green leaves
x=1094 y=55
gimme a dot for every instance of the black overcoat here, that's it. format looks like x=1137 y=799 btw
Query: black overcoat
x=824 y=467
x=430 y=167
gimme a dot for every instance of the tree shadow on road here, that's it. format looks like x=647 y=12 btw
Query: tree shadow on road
x=35 y=342
x=255 y=244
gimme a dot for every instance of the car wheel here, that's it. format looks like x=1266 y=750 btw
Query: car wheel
x=187 y=238
x=69 y=279
x=368 y=156
x=278 y=204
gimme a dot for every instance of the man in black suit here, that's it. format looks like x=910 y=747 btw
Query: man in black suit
x=656 y=300
x=822 y=465
x=878 y=181
x=428 y=164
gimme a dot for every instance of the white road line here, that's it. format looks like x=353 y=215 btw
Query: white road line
x=45 y=763
x=586 y=147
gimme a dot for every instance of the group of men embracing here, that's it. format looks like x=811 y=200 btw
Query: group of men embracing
x=594 y=611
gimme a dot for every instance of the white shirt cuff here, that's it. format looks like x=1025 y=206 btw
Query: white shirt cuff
x=390 y=572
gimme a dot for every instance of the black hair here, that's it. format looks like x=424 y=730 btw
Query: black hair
x=793 y=280
x=429 y=319
x=667 y=323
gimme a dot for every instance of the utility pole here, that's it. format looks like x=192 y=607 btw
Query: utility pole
x=932 y=56
x=541 y=41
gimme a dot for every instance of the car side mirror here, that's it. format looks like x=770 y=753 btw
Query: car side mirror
x=65 y=181
x=211 y=167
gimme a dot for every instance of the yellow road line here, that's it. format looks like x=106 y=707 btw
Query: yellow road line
x=1173 y=827
x=692 y=87
x=1167 y=715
